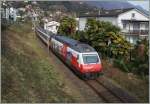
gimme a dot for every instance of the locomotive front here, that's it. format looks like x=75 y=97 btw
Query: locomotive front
x=91 y=65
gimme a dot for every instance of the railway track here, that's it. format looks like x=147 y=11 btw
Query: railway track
x=107 y=91
x=110 y=93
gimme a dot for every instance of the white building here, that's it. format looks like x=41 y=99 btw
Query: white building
x=9 y=13
x=52 y=26
x=13 y=13
x=134 y=24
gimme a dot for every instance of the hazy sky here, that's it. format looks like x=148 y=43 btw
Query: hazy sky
x=142 y=3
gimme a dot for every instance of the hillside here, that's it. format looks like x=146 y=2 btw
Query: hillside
x=65 y=6
x=27 y=75
x=108 y=5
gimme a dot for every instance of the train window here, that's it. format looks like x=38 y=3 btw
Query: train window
x=87 y=59
x=77 y=57
x=69 y=55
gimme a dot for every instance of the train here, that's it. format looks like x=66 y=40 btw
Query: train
x=80 y=57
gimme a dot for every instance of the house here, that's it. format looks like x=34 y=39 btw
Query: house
x=51 y=26
x=9 y=13
x=133 y=23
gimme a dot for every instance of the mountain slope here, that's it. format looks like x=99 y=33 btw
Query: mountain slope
x=71 y=6
x=110 y=4
x=142 y=10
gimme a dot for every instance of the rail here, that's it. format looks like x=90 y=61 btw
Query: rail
x=110 y=93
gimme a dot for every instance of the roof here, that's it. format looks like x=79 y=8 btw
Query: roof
x=109 y=13
x=43 y=31
x=134 y=20
x=53 y=23
x=74 y=44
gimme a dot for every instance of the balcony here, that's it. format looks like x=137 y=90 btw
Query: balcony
x=136 y=32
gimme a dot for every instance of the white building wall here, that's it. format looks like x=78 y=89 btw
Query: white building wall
x=143 y=26
x=7 y=13
x=138 y=16
x=83 y=20
x=15 y=15
x=3 y=15
x=82 y=23
x=52 y=29
x=128 y=16
x=52 y=26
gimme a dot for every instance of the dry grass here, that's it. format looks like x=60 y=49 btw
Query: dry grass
x=27 y=75
x=132 y=83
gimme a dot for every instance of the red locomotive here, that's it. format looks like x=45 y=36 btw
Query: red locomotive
x=82 y=58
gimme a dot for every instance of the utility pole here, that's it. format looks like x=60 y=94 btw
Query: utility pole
x=109 y=50
x=129 y=39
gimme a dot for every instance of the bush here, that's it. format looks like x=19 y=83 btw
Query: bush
x=79 y=36
x=106 y=38
x=67 y=26
x=143 y=69
x=140 y=55
x=121 y=64
x=5 y=24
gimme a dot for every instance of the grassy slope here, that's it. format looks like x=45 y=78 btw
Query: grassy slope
x=27 y=75
x=132 y=83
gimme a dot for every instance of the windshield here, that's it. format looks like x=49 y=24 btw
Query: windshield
x=90 y=59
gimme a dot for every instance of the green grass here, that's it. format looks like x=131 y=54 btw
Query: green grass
x=27 y=75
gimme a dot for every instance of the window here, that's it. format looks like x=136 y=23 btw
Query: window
x=87 y=59
x=69 y=56
x=124 y=25
x=146 y=26
x=136 y=26
x=133 y=15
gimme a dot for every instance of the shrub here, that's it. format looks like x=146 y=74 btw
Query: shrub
x=141 y=62
x=67 y=26
x=121 y=64
x=106 y=38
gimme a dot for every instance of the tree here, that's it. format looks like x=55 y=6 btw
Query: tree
x=106 y=38
x=119 y=46
x=67 y=26
x=140 y=58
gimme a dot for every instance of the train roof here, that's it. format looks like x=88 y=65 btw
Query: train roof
x=74 y=44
